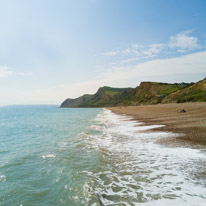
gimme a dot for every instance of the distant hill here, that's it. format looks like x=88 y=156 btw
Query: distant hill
x=76 y=102
x=146 y=93
x=103 y=97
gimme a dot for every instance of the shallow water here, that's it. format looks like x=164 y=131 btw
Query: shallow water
x=52 y=156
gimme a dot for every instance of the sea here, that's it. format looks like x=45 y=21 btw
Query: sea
x=51 y=156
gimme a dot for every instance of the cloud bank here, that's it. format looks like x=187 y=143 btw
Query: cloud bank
x=185 y=68
x=180 y=43
x=184 y=42
x=5 y=72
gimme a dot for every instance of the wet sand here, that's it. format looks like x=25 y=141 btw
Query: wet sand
x=190 y=125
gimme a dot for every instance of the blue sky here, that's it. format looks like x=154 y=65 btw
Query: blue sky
x=54 y=49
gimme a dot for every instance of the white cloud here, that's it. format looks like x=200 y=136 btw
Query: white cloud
x=5 y=72
x=126 y=51
x=184 y=42
x=138 y=52
x=177 y=69
x=111 y=53
x=186 y=68
x=23 y=73
x=156 y=48
x=152 y=50
x=134 y=49
x=133 y=59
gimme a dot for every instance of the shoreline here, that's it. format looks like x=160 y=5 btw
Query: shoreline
x=190 y=125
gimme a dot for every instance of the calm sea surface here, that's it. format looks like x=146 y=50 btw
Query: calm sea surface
x=77 y=157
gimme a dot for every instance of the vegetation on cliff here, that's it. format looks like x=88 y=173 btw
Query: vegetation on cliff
x=103 y=97
x=194 y=93
x=146 y=93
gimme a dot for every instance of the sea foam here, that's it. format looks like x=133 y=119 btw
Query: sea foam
x=134 y=169
x=48 y=156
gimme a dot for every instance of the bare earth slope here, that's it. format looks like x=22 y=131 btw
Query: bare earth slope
x=191 y=124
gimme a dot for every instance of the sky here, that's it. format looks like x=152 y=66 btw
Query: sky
x=56 y=49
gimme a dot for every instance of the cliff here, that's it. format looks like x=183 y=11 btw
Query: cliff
x=146 y=93
x=103 y=97
x=154 y=92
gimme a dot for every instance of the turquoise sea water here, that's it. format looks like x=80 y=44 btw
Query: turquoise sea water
x=41 y=155
x=76 y=157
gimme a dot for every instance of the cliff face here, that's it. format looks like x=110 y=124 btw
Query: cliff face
x=145 y=93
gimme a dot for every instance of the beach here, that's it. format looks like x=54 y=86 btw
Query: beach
x=190 y=124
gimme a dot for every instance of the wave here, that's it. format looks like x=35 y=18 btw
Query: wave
x=133 y=169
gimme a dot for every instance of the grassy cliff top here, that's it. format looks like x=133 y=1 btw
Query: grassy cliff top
x=144 y=94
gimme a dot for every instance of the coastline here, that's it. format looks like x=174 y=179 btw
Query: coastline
x=190 y=125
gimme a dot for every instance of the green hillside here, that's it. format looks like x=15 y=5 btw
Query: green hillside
x=192 y=93
x=154 y=92
x=146 y=93
x=76 y=102
x=102 y=97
